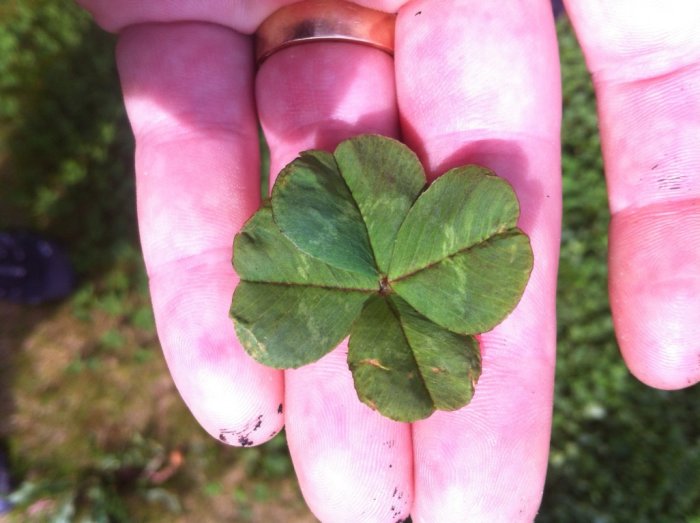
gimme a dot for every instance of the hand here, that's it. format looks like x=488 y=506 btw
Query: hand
x=470 y=83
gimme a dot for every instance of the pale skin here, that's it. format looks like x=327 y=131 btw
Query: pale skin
x=472 y=81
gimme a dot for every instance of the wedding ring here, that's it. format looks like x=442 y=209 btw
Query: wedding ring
x=324 y=21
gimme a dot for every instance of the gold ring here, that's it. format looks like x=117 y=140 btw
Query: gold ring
x=324 y=21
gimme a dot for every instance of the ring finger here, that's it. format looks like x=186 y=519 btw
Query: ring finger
x=351 y=462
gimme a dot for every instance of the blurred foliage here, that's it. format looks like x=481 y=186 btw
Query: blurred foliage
x=96 y=493
x=64 y=134
x=621 y=452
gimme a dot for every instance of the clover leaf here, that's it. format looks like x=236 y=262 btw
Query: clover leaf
x=354 y=243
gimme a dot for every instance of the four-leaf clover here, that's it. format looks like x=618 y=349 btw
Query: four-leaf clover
x=354 y=243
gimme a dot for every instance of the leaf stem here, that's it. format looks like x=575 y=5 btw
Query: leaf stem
x=384 y=287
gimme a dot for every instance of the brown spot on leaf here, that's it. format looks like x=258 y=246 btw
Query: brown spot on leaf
x=374 y=362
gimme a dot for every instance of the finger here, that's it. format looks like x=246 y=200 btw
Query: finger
x=645 y=61
x=243 y=16
x=478 y=82
x=189 y=95
x=352 y=463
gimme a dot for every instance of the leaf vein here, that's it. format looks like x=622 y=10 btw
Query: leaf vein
x=364 y=218
x=501 y=234
x=315 y=286
x=397 y=315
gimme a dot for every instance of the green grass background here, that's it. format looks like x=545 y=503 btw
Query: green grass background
x=621 y=452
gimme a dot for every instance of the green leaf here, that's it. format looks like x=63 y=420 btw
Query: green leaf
x=290 y=308
x=287 y=326
x=406 y=366
x=459 y=259
x=461 y=208
x=474 y=290
x=385 y=177
x=314 y=208
x=264 y=254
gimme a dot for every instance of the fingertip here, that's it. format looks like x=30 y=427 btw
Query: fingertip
x=667 y=355
x=234 y=398
x=353 y=464
x=655 y=292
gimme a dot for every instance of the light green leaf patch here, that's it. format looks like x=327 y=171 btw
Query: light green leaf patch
x=352 y=244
